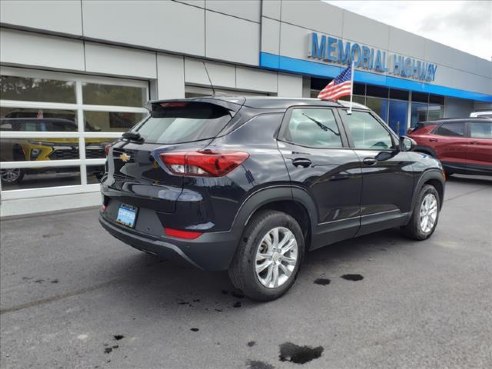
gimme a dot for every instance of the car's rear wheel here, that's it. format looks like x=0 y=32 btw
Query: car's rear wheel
x=425 y=214
x=269 y=255
x=14 y=175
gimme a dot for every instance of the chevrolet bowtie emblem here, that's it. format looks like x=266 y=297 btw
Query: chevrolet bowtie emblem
x=125 y=157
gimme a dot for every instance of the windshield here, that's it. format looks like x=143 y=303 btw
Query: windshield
x=178 y=122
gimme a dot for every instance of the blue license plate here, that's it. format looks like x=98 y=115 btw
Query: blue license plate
x=127 y=215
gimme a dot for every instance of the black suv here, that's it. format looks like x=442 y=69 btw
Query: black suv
x=249 y=184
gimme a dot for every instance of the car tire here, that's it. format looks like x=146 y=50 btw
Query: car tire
x=265 y=266
x=14 y=175
x=425 y=215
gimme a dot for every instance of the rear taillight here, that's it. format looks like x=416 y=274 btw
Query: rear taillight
x=203 y=163
x=106 y=149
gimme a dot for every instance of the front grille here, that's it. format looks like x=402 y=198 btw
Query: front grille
x=65 y=154
x=94 y=153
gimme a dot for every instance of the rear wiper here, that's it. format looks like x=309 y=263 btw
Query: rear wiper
x=321 y=125
x=132 y=136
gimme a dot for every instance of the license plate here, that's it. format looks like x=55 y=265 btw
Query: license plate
x=127 y=215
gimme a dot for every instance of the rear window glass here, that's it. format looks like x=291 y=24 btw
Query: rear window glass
x=481 y=129
x=177 y=122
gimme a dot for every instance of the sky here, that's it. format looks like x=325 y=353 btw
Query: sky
x=464 y=25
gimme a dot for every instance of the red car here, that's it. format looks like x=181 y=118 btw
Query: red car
x=463 y=146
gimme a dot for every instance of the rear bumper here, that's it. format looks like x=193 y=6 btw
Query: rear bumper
x=212 y=251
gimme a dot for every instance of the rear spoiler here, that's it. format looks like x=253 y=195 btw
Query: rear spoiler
x=232 y=104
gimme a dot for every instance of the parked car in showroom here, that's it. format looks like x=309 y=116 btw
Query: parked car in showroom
x=42 y=149
x=250 y=184
x=463 y=145
x=481 y=114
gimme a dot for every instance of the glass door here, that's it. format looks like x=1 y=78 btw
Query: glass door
x=397 y=119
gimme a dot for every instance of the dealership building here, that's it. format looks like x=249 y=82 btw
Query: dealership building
x=76 y=74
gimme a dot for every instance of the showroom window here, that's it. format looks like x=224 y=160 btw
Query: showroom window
x=54 y=127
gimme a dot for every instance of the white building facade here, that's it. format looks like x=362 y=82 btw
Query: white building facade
x=76 y=74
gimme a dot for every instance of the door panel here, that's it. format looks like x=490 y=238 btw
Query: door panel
x=387 y=184
x=387 y=176
x=450 y=142
x=317 y=160
x=332 y=178
x=480 y=143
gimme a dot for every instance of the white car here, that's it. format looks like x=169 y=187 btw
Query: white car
x=481 y=114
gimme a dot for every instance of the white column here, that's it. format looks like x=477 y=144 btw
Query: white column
x=170 y=77
x=409 y=110
x=289 y=85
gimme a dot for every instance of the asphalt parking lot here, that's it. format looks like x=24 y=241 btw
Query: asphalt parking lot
x=74 y=297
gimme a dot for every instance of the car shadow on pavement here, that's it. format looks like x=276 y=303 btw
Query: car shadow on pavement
x=147 y=282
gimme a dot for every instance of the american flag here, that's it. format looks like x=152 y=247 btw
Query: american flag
x=340 y=86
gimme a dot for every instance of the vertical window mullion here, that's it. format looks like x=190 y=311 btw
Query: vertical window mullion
x=81 y=128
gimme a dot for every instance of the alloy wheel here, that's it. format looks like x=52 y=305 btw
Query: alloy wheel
x=276 y=257
x=10 y=175
x=428 y=213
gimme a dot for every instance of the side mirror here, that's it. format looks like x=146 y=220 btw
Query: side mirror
x=407 y=143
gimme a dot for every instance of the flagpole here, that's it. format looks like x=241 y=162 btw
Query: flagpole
x=351 y=87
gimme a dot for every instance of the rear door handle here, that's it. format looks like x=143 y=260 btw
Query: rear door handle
x=433 y=140
x=369 y=161
x=303 y=162
x=474 y=143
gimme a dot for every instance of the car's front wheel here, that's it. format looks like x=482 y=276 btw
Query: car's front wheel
x=269 y=255
x=425 y=214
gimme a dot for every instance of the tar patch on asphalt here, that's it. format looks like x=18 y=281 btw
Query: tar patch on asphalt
x=299 y=354
x=194 y=329
x=238 y=295
x=322 y=281
x=251 y=343
x=255 y=364
x=352 y=277
x=118 y=337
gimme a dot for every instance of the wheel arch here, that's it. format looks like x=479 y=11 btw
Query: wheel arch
x=426 y=150
x=293 y=201
x=434 y=178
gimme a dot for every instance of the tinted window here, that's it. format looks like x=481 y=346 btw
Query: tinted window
x=183 y=122
x=481 y=129
x=367 y=132
x=99 y=94
x=61 y=125
x=36 y=89
x=455 y=129
x=313 y=128
x=32 y=125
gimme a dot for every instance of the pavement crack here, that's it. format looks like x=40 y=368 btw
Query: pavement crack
x=57 y=297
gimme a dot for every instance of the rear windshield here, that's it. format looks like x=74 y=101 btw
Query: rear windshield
x=177 y=122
